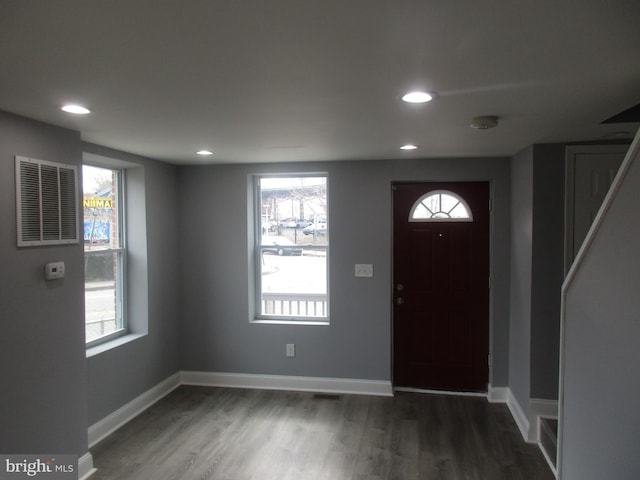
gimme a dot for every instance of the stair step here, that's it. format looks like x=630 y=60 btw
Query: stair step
x=549 y=438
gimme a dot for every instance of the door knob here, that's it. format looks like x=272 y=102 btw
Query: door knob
x=399 y=301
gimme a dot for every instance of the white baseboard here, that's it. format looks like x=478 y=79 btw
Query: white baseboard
x=540 y=408
x=518 y=415
x=553 y=468
x=544 y=408
x=440 y=392
x=85 y=466
x=285 y=382
x=115 y=420
x=505 y=395
x=497 y=394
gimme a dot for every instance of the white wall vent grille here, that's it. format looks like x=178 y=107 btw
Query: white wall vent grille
x=46 y=202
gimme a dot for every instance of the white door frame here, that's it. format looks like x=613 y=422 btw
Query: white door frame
x=571 y=157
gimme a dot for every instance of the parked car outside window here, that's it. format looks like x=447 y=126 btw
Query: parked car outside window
x=317 y=228
x=295 y=223
x=280 y=246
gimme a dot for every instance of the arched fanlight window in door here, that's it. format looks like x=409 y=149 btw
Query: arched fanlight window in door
x=440 y=206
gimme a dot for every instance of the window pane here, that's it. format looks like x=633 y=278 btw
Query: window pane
x=421 y=212
x=448 y=202
x=101 y=294
x=292 y=247
x=104 y=252
x=459 y=211
x=432 y=203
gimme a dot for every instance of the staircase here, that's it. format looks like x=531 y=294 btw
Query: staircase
x=549 y=440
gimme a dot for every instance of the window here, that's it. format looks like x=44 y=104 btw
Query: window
x=440 y=206
x=104 y=253
x=291 y=248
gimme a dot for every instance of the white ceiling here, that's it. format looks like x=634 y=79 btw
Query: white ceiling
x=296 y=80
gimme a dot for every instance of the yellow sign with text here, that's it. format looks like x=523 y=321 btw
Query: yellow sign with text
x=97 y=202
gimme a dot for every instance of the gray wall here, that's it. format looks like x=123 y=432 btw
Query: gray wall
x=547 y=270
x=214 y=281
x=51 y=392
x=521 y=258
x=43 y=405
x=117 y=376
x=601 y=385
x=537 y=259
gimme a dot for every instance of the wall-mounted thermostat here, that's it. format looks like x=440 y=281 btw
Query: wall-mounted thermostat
x=54 y=270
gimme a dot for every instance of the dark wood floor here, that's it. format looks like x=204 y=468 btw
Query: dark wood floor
x=235 y=434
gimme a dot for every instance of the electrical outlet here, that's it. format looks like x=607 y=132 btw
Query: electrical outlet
x=291 y=349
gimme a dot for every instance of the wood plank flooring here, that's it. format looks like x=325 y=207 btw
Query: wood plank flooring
x=234 y=434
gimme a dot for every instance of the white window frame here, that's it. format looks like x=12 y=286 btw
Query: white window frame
x=258 y=316
x=433 y=218
x=121 y=259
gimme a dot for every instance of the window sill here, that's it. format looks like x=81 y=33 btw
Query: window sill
x=282 y=321
x=111 y=344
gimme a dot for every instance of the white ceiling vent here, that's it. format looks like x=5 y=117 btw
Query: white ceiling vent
x=46 y=202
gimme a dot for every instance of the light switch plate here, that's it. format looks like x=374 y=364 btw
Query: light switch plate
x=364 y=270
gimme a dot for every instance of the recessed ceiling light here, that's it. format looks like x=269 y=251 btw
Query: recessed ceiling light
x=76 y=109
x=204 y=152
x=417 y=97
x=408 y=147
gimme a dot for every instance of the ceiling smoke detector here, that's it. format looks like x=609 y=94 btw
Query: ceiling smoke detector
x=484 y=122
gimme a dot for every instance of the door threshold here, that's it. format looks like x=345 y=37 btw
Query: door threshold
x=440 y=392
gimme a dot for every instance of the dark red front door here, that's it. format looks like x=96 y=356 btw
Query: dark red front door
x=441 y=288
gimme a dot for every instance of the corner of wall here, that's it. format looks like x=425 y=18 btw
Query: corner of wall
x=521 y=419
x=85 y=466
